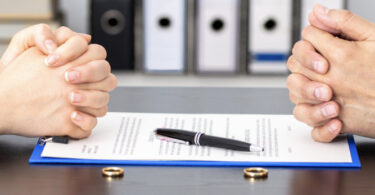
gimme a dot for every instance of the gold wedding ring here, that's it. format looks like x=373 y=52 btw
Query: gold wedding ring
x=255 y=172
x=113 y=171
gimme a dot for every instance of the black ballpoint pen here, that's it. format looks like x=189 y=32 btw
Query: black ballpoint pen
x=201 y=139
x=55 y=139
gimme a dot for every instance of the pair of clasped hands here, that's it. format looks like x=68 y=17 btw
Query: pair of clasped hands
x=53 y=83
x=333 y=75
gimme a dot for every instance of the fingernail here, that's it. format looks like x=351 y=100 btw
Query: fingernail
x=322 y=10
x=328 y=110
x=75 y=97
x=319 y=66
x=51 y=60
x=77 y=116
x=321 y=93
x=50 y=45
x=333 y=127
x=71 y=76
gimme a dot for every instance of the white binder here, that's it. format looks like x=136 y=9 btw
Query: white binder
x=217 y=40
x=308 y=5
x=164 y=35
x=270 y=35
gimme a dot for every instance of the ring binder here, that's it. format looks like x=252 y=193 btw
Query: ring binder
x=164 y=36
x=217 y=36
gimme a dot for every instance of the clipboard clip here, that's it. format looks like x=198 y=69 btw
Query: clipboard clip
x=168 y=139
x=54 y=139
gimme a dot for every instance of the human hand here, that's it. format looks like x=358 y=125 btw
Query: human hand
x=86 y=70
x=93 y=69
x=42 y=37
x=36 y=99
x=350 y=65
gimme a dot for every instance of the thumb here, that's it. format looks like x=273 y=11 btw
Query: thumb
x=39 y=35
x=342 y=22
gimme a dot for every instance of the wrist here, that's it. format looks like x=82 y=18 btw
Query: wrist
x=4 y=118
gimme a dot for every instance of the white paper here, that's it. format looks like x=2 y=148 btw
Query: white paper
x=130 y=136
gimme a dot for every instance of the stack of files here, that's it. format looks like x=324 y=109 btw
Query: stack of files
x=217 y=36
x=129 y=139
x=112 y=26
x=165 y=24
x=16 y=15
x=308 y=5
x=270 y=35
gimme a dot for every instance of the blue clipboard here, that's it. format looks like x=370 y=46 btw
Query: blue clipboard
x=36 y=158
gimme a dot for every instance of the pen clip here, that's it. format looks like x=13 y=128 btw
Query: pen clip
x=44 y=140
x=54 y=139
x=164 y=138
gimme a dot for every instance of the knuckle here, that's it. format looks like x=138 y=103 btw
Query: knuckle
x=80 y=39
x=106 y=98
x=341 y=55
x=42 y=27
x=102 y=112
x=290 y=81
x=291 y=64
x=346 y=16
x=102 y=98
x=297 y=46
x=81 y=133
x=309 y=120
x=92 y=123
x=315 y=135
x=318 y=136
x=293 y=98
x=296 y=113
x=114 y=81
x=63 y=29
x=110 y=82
x=107 y=66
x=306 y=32
x=305 y=93
x=99 y=50
x=103 y=66
x=301 y=113
x=86 y=134
x=70 y=130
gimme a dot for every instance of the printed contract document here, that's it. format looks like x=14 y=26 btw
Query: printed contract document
x=130 y=136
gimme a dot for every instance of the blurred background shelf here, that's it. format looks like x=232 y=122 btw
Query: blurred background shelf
x=191 y=80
